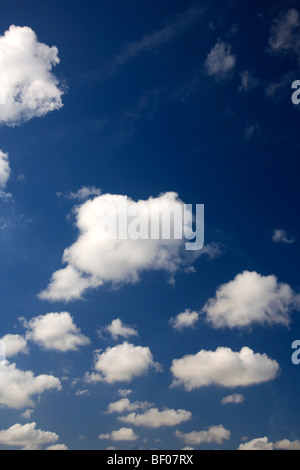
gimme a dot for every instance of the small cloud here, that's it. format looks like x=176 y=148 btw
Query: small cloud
x=85 y=192
x=27 y=413
x=233 y=399
x=56 y=331
x=216 y=434
x=248 y=82
x=124 y=392
x=123 y=434
x=251 y=130
x=118 y=329
x=187 y=319
x=285 y=34
x=280 y=236
x=121 y=363
x=220 y=62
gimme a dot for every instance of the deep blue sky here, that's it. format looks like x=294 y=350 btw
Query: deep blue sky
x=157 y=122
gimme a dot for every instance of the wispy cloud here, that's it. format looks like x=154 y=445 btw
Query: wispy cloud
x=157 y=38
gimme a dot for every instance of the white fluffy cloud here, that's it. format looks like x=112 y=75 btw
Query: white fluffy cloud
x=216 y=434
x=123 y=434
x=118 y=329
x=124 y=404
x=154 y=418
x=286 y=444
x=236 y=398
x=28 y=88
x=4 y=167
x=220 y=61
x=55 y=331
x=17 y=386
x=183 y=320
x=100 y=255
x=223 y=367
x=121 y=363
x=26 y=437
x=13 y=345
x=251 y=298
x=263 y=443
x=57 y=447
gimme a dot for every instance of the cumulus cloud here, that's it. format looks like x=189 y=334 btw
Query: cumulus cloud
x=26 y=437
x=120 y=406
x=223 y=367
x=4 y=166
x=220 y=62
x=121 y=363
x=251 y=298
x=286 y=444
x=216 y=434
x=154 y=418
x=55 y=331
x=28 y=88
x=280 y=236
x=236 y=398
x=285 y=34
x=13 y=345
x=186 y=319
x=119 y=239
x=57 y=447
x=262 y=443
x=123 y=434
x=118 y=329
x=17 y=386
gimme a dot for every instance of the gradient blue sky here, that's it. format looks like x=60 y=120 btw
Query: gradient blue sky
x=150 y=106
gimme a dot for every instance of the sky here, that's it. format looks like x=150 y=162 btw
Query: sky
x=142 y=344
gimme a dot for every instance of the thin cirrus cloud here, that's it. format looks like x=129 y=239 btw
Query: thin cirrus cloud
x=55 y=331
x=122 y=363
x=251 y=298
x=17 y=387
x=223 y=367
x=155 y=39
x=28 y=88
x=217 y=434
x=98 y=256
